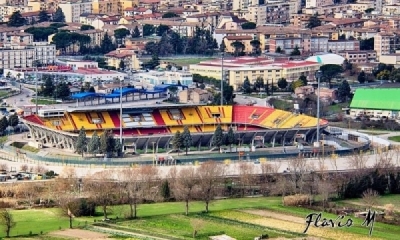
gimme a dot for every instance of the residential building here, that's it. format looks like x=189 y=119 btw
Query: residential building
x=7 y=10
x=358 y=57
x=194 y=95
x=127 y=56
x=76 y=64
x=16 y=56
x=269 y=13
x=166 y=77
x=385 y=43
x=315 y=44
x=393 y=59
x=318 y=3
x=343 y=45
x=44 y=53
x=17 y=38
x=238 y=69
x=73 y=10
x=245 y=40
x=182 y=28
x=242 y=5
x=132 y=11
x=285 y=44
x=105 y=6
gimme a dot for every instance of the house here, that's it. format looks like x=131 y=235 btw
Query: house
x=194 y=95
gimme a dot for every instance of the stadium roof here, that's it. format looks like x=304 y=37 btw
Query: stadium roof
x=328 y=58
x=377 y=98
x=115 y=94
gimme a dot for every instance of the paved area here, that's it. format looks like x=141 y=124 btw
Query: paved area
x=80 y=234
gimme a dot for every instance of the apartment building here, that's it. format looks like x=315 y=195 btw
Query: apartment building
x=358 y=57
x=182 y=28
x=285 y=44
x=271 y=13
x=112 y=6
x=245 y=40
x=385 y=43
x=73 y=10
x=238 y=69
x=318 y=3
x=343 y=45
x=327 y=10
x=166 y=77
x=7 y=10
x=391 y=10
x=128 y=56
x=16 y=56
x=242 y=5
x=315 y=44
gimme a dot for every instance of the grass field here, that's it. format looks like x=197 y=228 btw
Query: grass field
x=44 y=101
x=4 y=94
x=393 y=199
x=243 y=218
x=186 y=61
x=394 y=138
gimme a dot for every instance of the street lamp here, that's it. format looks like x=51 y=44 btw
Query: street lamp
x=222 y=78
x=318 y=75
x=120 y=112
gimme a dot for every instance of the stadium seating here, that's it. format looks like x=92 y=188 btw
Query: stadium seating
x=215 y=114
x=115 y=119
x=138 y=120
x=168 y=118
x=158 y=118
x=34 y=119
x=190 y=116
x=151 y=131
x=84 y=120
x=274 y=118
x=175 y=129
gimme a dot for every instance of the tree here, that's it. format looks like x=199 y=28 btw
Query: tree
x=344 y=91
x=94 y=144
x=282 y=83
x=165 y=190
x=81 y=142
x=106 y=44
x=153 y=63
x=313 y=22
x=222 y=47
x=13 y=120
x=362 y=78
x=218 y=137
x=7 y=220
x=259 y=83
x=131 y=186
x=249 y=25
x=121 y=65
x=107 y=143
x=329 y=71
x=3 y=124
x=16 y=20
x=62 y=91
x=197 y=224
x=161 y=29
x=59 y=16
x=208 y=175
x=279 y=50
x=101 y=188
x=136 y=32
x=295 y=52
x=48 y=87
x=121 y=33
x=148 y=30
x=43 y=16
x=169 y=15
x=186 y=139
x=370 y=198
x=246 y=86
x=238 y=48
x=85 y=27
x=185 y=185
x=256 y=47
x=296 y=84
x=230 y=138
x=367 y=44
x=177 y=141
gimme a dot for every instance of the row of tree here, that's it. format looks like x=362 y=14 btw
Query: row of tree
x=202 y=42
x=17 y=20
x=104 y=144
x=50 y=89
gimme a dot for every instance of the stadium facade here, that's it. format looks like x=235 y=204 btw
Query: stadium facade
x=148 y=126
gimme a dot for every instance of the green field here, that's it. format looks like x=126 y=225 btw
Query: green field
x=4 y=94
x=186 y=61
x=44 y=101
x=394 y=138
x=167 y=220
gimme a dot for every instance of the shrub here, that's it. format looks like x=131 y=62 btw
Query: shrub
x=297 y=200
x=389 y=209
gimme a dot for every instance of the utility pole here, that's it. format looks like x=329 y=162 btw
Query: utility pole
x=222 y=78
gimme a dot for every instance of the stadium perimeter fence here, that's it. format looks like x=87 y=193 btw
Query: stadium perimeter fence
x=19 y=155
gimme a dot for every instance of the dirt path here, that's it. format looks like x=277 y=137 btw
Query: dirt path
x=133 y=234
x=363 y=205
x=275 y=215
x=80 y=234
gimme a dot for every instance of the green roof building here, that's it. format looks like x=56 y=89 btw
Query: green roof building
x=377 y=102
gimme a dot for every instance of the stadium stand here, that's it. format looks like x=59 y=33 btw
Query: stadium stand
x=107 y=121
x=158 y=118
x=215 y=114
x=83 y=120
x=34 y=119
x=115 y=119
x=168 y=118
x=190 y=116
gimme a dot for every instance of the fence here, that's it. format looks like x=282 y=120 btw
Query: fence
x=20 y=155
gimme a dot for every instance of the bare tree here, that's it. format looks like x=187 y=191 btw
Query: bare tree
x=325 y=189
x=24 y=168
x=269 y=173
x=370 y=198
x=298 y=168
x=197 y=225
x=131 y=185
x=357 y=161
x=149 y=177
x=102 y=189
x=3 y=167
x=208 y=174
x=7 y=220
x=246 y=175
x=183 y=189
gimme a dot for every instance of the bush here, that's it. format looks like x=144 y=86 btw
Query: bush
x=297 y=200
x=82 y=207
x=389 y=209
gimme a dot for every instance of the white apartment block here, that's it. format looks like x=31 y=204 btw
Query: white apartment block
x=318 y=3
x=17 y=56
x=270 y=13
x=6 y=10
x=73 y=10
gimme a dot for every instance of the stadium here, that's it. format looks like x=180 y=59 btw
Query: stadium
x=154 y=126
